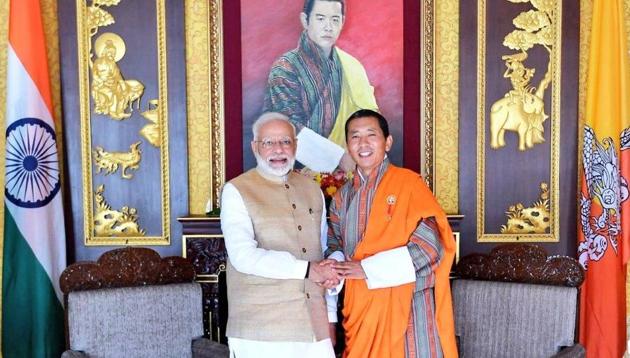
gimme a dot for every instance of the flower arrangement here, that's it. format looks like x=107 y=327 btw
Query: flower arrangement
x=331 y=182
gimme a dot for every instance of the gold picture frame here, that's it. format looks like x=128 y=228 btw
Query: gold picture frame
x=554 y=136
x=84 y=57
x=205 y=103
x=439 y=92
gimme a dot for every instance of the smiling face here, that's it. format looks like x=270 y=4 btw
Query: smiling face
x=367 y=144
x=323 y=25
x=274 y=147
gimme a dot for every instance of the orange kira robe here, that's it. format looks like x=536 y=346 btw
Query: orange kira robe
x=376 y=320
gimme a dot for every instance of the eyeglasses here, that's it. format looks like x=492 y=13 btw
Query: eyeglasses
x=268 y=143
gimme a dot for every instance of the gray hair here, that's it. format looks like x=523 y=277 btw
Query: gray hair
x=270 y=117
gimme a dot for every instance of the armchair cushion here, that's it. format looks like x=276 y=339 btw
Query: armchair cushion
x=146 y=321
x=503 y=319
x=516 y=302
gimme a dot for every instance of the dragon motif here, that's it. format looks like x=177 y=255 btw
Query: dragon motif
x=600 y=223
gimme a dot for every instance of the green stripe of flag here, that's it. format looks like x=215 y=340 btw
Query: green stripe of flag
x=32 y=316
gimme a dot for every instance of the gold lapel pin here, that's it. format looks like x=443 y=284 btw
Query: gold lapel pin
x=391 y=200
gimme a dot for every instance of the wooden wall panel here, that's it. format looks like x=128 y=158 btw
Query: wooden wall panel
x=468 y=160
x=136 y=22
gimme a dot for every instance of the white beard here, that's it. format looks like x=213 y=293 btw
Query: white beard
x=266 y=168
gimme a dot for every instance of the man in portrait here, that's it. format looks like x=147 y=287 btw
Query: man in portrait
x=318 y=85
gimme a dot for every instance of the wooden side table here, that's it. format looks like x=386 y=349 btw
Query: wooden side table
x=202 y=242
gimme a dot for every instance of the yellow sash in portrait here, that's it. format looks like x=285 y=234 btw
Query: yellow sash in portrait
x=356 y=93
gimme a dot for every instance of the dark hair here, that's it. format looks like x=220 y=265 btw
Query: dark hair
x=364 y=113
x=308 y=6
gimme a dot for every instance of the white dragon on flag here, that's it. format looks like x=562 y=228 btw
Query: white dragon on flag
x=608 y=188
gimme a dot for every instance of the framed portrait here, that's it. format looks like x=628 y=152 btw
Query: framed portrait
x=409 y=51
x=284 y=67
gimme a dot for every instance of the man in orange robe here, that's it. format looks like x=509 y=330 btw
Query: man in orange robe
x=395 y=249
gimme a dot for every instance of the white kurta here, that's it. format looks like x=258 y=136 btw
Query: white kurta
x=248 y=258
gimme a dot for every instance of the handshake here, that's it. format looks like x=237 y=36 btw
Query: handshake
x=328 y=273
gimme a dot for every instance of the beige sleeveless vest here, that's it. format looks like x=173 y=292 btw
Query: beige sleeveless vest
x=286 y=216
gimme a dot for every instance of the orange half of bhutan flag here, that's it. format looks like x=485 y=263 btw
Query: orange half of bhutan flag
x=604 y=212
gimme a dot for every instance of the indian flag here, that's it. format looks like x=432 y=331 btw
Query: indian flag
x=604 y=216
x=34 y=251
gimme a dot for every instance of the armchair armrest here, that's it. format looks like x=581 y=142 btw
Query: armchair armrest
x=73 y=354
x=575 y=351
x=203 y=347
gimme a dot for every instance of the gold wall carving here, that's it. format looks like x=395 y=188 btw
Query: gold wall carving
x=151 y=131
x=522 y=109
x=108 y=222
x=204 y=87
x=529 y=220
x=112 y=95
x=111 y=161
x=97 y=16
x=85 y=30
x=554 y=180
x=446 y=134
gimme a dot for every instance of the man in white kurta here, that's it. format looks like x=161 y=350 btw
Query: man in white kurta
x=275 y=231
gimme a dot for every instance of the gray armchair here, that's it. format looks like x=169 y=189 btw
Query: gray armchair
x=132 y=303
x=517 y=302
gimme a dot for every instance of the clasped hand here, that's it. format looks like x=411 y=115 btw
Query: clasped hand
x=328 y=273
